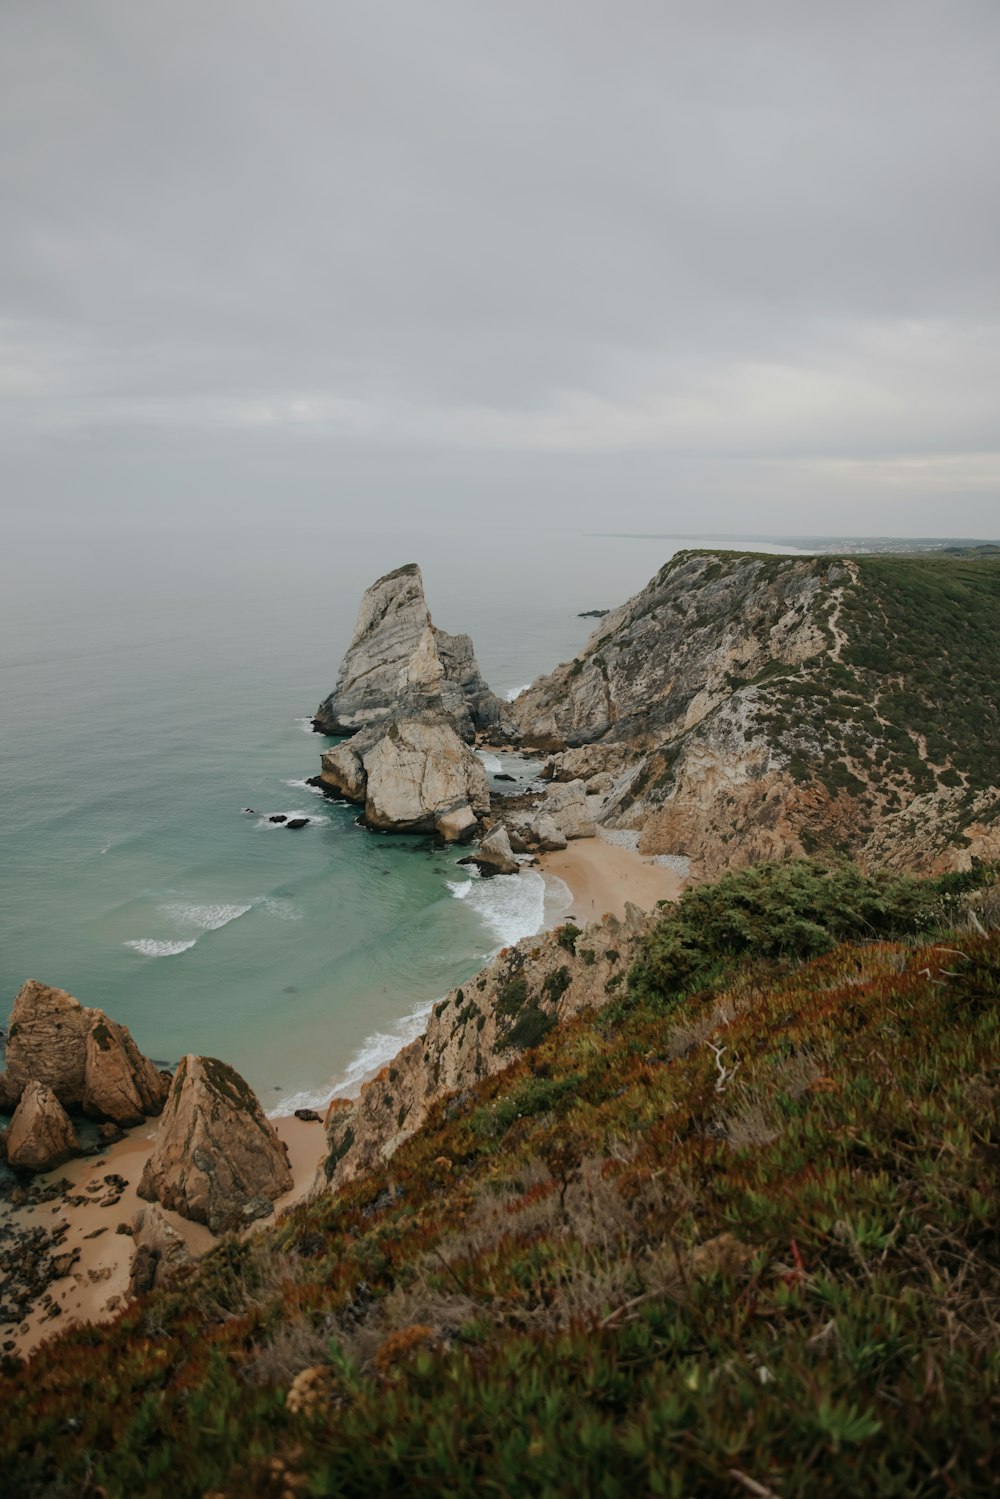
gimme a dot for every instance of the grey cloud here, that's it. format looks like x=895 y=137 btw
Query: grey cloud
x=675 y=236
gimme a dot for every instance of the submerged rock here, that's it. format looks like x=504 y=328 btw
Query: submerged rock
x=217 y=1159
x=413 y=775
x=41 y=1135
x=399 y=662
x=90 y=1062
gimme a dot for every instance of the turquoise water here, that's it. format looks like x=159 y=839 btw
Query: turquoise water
x=153 y=686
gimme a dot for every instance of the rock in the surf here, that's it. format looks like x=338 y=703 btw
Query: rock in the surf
x=413 y=775
x=399 y=662
x=494 y=855
x=217 y=1159
x=89 y=1062
x=41 y=1135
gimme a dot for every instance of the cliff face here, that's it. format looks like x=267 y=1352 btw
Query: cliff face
x=477 y=1030
x=745 y=707
x=399 y=662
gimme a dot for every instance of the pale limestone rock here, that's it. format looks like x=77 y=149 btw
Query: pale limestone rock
x=399 y=663
x=494 y=855
x=547 y=835
x=412 y=775
x=566 y=804
x=217 y=1158
x=89 y=1062
x=40 y=1136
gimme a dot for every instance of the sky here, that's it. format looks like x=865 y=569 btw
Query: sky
x=641 y=265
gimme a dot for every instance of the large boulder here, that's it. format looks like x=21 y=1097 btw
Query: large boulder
x=547 y=835
x=566 y=804
x=40 y=1136
x=217 y=1158
x=413 y=775
x=89 y=1062
x=160 y=1250
x=399 y=662
x=494 y=855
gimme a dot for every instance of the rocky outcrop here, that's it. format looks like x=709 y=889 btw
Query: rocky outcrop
x=566 y=805
x=494 y=855
x=744 y=707
x=411 y=775
x=160 y=1251
x=217 y=1159
x=399 y=663
x=478 y=1030
x=90 y=1063
x=41 y=1135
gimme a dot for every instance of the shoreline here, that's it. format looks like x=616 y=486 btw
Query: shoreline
x=600 y=877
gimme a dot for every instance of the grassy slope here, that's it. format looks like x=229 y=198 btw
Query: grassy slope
x=631 y=1264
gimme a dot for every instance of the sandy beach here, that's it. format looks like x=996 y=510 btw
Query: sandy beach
x=96 y=1286
x=601 y=876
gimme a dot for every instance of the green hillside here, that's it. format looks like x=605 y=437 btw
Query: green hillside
x=734 y=1233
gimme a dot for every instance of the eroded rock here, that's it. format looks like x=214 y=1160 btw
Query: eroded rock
x=411 y=775
x=41 y=1135
x=90 y=1062
x=399 y=662
x=217 y=1159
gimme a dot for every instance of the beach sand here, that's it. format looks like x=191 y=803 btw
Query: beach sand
x=96 y=1287
x=602 y=877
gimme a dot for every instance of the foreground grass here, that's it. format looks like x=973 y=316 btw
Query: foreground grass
x=739 y=1242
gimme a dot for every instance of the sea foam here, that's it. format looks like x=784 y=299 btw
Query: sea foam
x=151 y=948
x=373 y=1053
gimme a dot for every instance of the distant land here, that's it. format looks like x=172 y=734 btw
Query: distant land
x=955 y=546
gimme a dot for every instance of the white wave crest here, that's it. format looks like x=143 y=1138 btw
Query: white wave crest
x=515 y=692
x=491 y=762
x=303 y=785
x=151 y=948
x=208 y=917
x=372 y=1055
x=459 y=888
x=306 y=725
x=510 y=906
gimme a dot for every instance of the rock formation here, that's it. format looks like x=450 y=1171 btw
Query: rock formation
x=160 y=1251
x=217 y=1158
x=90 y=1062
x=400 y=663
x=478 y=1030
x=744 y=707
x=566 y=805
x=41 y=1135
x=494 y=855
x=411 y=775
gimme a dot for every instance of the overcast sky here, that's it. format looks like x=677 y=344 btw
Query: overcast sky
x=725 y=265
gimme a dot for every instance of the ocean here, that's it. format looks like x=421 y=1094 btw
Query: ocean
x=153 y=686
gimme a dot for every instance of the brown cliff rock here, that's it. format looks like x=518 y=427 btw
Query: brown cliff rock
x=217 y=1158
x=90 y=1062
x=476 y=1031
x=40 y=1136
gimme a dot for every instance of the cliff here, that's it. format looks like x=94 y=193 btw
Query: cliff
x=399 y=663
x=733 y=1232
x=744 y=707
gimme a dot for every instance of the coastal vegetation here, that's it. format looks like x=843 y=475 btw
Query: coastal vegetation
x=736 y=1231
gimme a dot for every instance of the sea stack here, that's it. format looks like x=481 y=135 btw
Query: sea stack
x=399 y=663
x=217 y=1158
